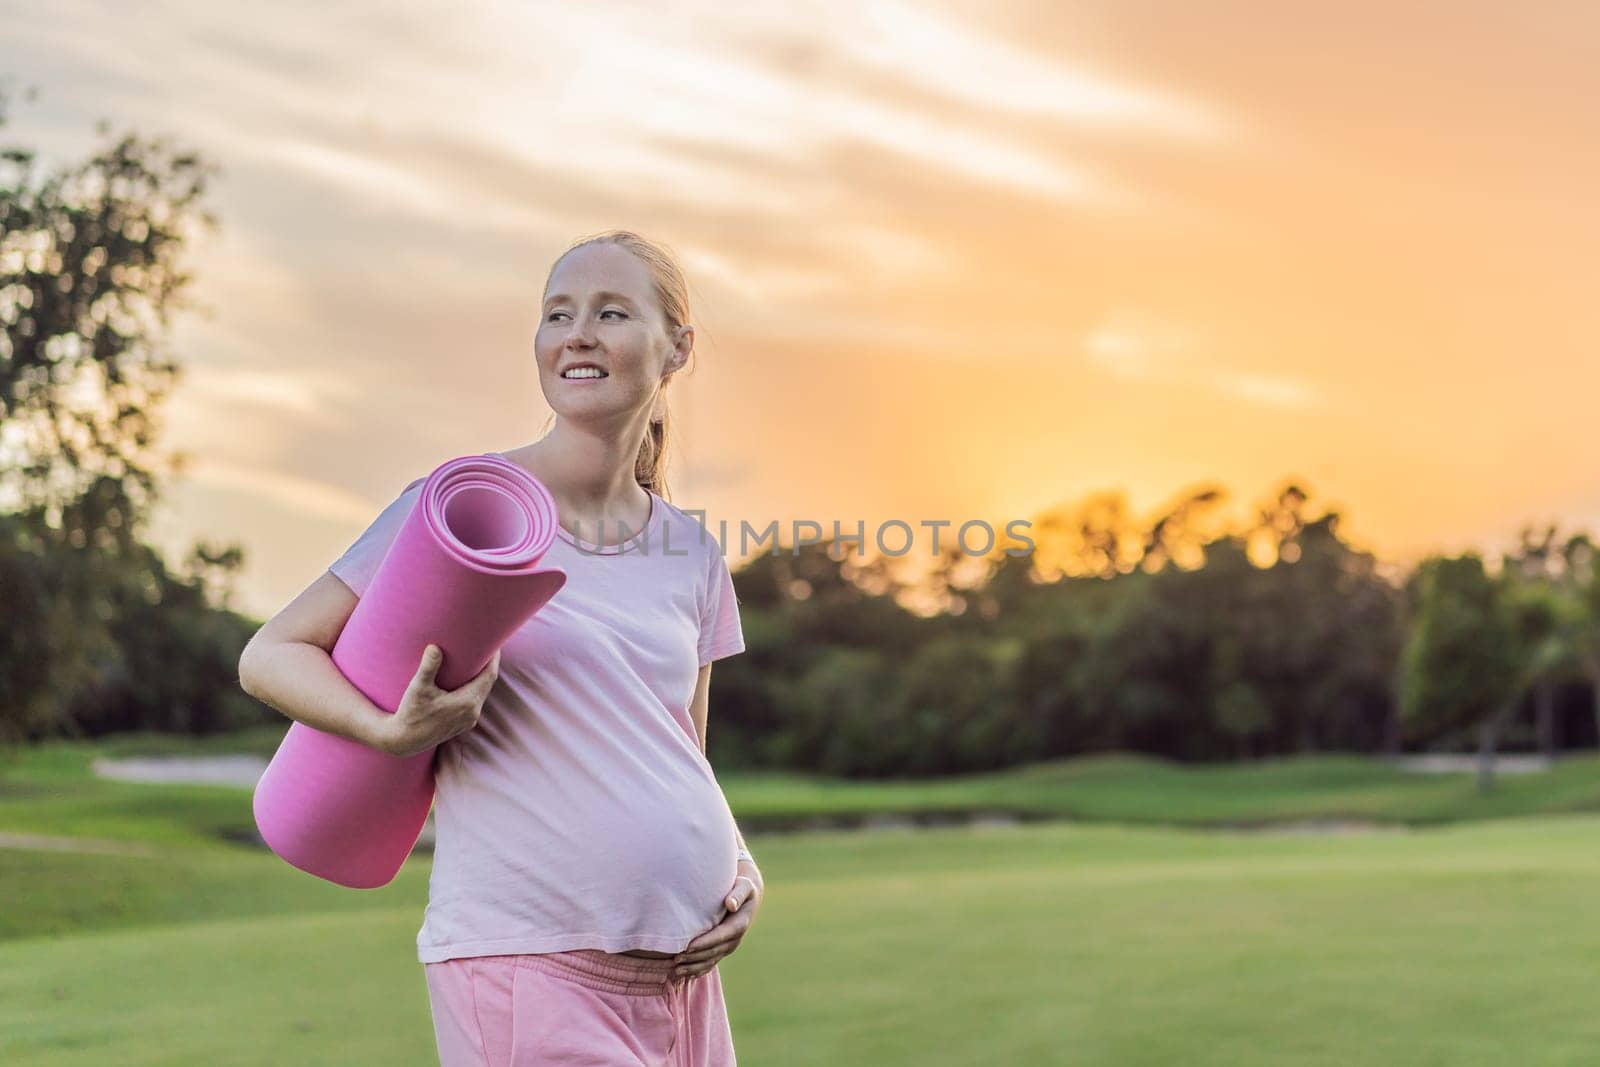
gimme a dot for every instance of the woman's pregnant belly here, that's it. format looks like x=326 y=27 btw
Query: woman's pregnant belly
x=679 y=844
x=652 y=856
x=543 y=842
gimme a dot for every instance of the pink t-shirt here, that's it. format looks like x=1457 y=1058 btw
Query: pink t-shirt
x=580 y=812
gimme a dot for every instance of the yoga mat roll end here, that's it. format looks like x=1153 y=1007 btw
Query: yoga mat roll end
x=341 y=811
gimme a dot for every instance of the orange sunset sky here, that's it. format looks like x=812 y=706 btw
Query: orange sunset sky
x=950 y=260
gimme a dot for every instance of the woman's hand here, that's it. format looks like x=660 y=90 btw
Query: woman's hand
x=705 y=951
x=430 y=716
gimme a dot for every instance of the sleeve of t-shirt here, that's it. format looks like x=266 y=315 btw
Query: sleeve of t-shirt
x=359 y=563
x=721 y=633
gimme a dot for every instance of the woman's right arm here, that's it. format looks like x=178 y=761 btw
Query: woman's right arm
x=288 y=665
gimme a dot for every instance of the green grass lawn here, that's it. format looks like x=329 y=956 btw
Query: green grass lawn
x=1050 y=943
x=49 y=789
x=1133 y=789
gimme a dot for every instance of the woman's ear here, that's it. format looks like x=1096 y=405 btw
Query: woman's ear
x=682 y=345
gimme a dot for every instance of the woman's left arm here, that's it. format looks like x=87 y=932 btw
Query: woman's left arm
x=700 y=707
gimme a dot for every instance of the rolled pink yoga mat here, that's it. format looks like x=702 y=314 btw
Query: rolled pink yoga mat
x=463 y=573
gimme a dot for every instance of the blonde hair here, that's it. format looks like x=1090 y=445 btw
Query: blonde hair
x=672 y=294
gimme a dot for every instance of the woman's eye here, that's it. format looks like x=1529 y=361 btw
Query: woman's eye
x=608 y=311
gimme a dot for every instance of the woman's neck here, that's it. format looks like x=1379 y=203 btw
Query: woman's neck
x=592 y=498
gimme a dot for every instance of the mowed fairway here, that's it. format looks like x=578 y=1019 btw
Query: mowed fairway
x=1042 y=944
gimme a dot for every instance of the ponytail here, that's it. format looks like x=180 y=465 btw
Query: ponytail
x=651 y=466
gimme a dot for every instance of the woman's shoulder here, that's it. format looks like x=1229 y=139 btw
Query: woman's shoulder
x=687 y=533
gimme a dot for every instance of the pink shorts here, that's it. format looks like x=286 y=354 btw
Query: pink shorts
x=584 y=1006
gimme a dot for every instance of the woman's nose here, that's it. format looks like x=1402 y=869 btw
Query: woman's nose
x=581 y=334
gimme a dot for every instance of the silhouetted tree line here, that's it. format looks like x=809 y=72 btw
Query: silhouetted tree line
x=1228 y=656
x=1176 y=636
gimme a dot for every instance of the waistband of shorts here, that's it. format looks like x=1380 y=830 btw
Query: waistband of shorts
x=613 y=972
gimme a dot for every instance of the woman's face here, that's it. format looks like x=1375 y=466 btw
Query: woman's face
x=600 y=308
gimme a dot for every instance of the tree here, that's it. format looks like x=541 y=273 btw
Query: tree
x=1478 y=643
x=1563 y=569
x=90 y=276
x=956 y=710
x=98 y=635
x=1530 y=619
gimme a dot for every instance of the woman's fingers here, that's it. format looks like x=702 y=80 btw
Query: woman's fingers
x=713 y=952
x=698 y=954
x=740 y=893
x=730 y=929
x=692 y=970
x=703 y=953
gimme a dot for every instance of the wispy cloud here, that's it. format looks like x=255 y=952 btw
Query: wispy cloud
x=1139 y=346
x=300 y=392
x=702 y=92
x=1147 y=348
x=532 y=122
x=963 y=62
x=299 y=496
x=1269 y=391
x=593 y=88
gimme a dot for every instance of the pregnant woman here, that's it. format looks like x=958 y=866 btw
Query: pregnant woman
x=587 y=874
